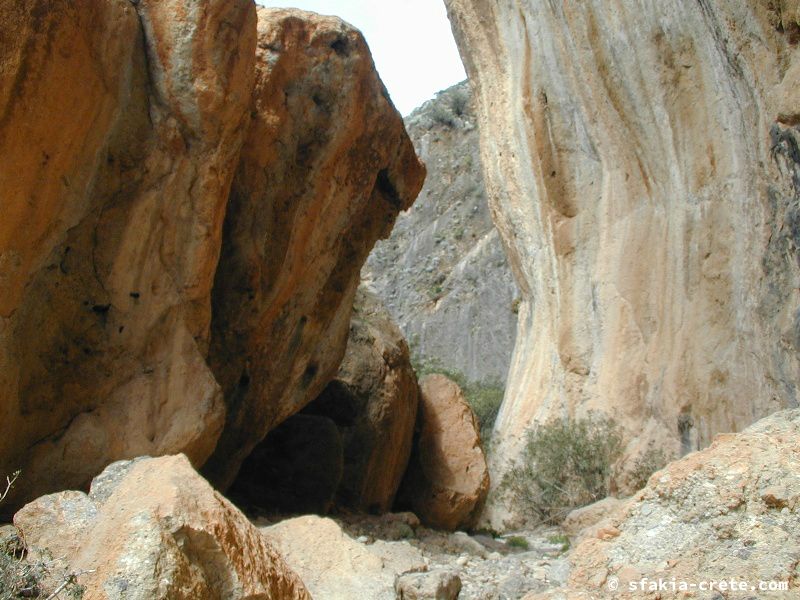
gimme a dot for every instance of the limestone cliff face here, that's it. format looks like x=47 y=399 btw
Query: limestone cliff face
x=122 y=128
x=642 y=165
x=443 y=273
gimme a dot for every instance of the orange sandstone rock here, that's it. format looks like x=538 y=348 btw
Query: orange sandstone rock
x=447 y=479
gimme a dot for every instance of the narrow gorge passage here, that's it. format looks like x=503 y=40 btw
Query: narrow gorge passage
x=248 y=349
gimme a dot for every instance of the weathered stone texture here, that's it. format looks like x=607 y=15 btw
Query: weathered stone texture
x=122 y=128
x=153 y=529
x=124 y=123
x=373 y=400
x=727 y=512
x=447 y=478
x=642 y=167
x=325 y=169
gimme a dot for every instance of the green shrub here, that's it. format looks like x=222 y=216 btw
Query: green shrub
x=450 y=106
x=485 y=400
x=517 y=541
x=443 y=115
x=459 y=100
x=560 y=538
x=565 y=464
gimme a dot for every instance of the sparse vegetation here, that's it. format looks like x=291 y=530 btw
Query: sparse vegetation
x=517 y=541
x=565 y=464
x=449 y=107
x=649 y=462
x=484 y=398
x=459 y=100
x=435 y=291
x=560 y=538
x=25 y=576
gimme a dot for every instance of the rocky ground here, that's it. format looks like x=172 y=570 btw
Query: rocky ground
x=414 y=559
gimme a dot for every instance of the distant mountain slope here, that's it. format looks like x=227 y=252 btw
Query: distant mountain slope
x=443 y=273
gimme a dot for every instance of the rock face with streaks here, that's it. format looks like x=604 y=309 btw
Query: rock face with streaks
x=325 y=169
x=643 y=169
x=123 y=125
x=189 y=190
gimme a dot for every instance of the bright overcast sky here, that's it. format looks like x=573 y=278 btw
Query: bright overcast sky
x=411 y=43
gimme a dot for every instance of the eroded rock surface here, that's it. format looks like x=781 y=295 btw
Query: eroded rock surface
x=325 y=169
x=153 y=529
x=336 y=567
x=731 y=511
x=447 y=478
x=122 y=125
x=433 y=585
x=642 y=168
x=125 y=126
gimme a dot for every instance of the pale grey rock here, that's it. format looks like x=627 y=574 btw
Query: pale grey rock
x=433 y=585
x=443 y=273
x=641 y=166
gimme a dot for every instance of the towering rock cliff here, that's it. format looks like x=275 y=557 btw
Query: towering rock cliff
x=123 y=127
x=443 y=273
x=642 y=165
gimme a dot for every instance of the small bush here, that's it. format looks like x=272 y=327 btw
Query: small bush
x=459 y=100
x=565 y=464
x=561 y=539
x=450 y=106
x=517 y=541
x=42 y=578
x=443 y=115
x=649 y=462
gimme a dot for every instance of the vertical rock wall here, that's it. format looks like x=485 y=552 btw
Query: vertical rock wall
x=325 y=169
x=642 y=162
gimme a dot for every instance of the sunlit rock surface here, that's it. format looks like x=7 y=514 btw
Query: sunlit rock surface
x=642 y=166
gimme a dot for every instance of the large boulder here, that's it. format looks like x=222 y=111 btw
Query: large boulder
x=336 y=567
x=325 y=169
x=729 y=512
x=155 y=150
x=373 y=400
x=642 y=167
x=153 y=529
x=447 y=479
x=121 y=130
